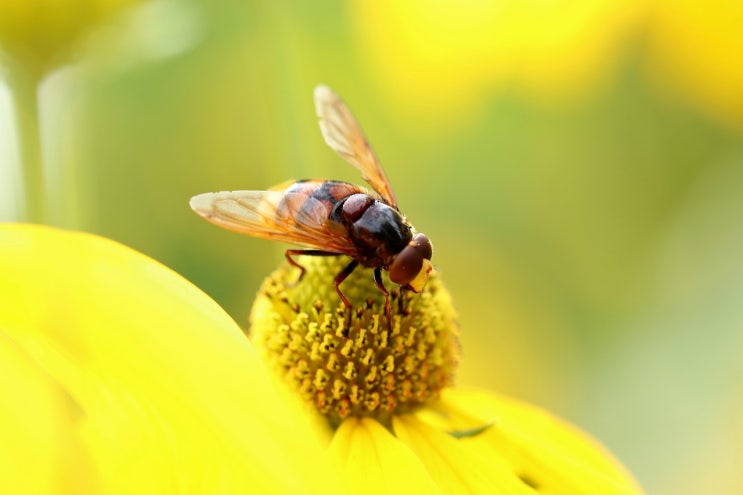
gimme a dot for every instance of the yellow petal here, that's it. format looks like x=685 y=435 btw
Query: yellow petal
x=170 y=394
x=457 y=467
x=36 y=415
x=544 y=451
x=372 y=461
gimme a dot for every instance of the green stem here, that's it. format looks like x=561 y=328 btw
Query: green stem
x=24 y=88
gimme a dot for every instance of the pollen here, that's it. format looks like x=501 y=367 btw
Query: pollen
x=355 y=363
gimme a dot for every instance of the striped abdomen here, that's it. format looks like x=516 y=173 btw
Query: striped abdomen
x=311 y=202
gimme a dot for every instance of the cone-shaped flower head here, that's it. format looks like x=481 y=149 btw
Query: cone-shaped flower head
x=357 y=362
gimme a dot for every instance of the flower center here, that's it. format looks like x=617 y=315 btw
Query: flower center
x=355 y=363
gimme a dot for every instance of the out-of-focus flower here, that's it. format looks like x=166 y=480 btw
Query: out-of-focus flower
x=120 y=376
x=37 y=36
x=41 y=34
x=696 y=49
x=450 y=56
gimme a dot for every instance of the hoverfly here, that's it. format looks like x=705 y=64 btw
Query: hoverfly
x=329 y=217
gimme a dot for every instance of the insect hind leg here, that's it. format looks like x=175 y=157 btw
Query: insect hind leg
x=303 y=252
x=343 y=275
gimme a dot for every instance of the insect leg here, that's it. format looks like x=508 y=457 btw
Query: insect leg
x=343 y=275
x=380 y=285
x=401 y=300
x=304 y=252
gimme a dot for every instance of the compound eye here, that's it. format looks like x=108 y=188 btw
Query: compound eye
x=423 y=244
x=355 y=206
x=406 y=264
x=412 y=266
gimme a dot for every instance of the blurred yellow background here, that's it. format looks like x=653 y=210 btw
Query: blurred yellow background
x=578 y=166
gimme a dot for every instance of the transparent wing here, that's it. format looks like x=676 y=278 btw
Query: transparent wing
x=275 y=215
x=343 y=134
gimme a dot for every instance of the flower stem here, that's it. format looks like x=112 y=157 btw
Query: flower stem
x=24 y=88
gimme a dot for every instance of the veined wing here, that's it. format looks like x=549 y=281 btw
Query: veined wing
x=276 y=215
x=343 y=134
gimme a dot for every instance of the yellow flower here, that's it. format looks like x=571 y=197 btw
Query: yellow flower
x=120 y=376
x=385 y=387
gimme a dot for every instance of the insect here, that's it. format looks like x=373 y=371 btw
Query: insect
x=332 y=218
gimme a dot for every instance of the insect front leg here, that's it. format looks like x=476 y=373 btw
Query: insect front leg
x=383 y=289
x=303 y=252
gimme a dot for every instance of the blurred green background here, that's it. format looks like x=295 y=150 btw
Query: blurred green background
x=578 y=166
